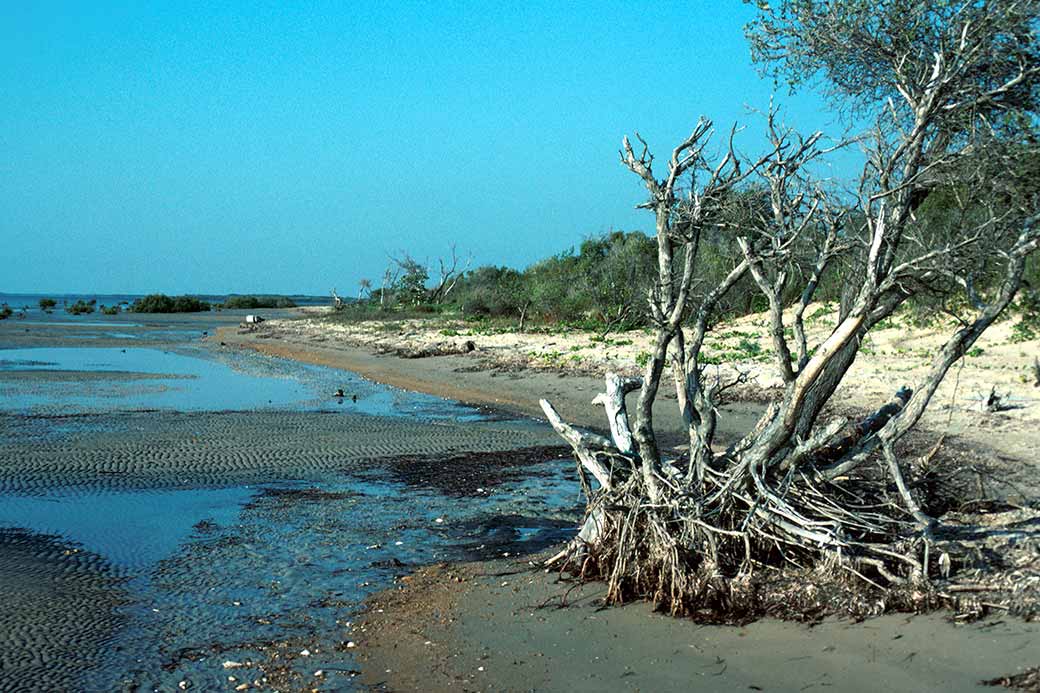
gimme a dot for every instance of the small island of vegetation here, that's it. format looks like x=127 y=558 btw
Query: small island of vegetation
x=251 y=302
x=81 y=307
x=161 y=303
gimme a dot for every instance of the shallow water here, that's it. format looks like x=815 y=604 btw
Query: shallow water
x=131 y=529
x=209 y=570
x=193 y=378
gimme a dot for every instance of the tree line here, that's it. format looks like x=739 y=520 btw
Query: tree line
x=604 y=283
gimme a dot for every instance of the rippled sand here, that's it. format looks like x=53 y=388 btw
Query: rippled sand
x=155 y=450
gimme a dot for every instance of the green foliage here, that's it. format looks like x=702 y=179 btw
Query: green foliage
x=47 y=303
x=250 y=302
x=491 y=292
x=602 y=285
x=110 y=310
x=5 y=311
x=410 y=287
x=643 y=358
x=161 y=303
x=81 y=307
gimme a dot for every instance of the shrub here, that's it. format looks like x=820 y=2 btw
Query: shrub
x=47 y=303
x=161 y=303
x=250 y=302
x=5 y=312
x=111 y=310
x=80 y=307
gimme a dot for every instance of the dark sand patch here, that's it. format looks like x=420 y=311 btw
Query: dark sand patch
x=59 y=611
x=471 y=473
x=502 y=627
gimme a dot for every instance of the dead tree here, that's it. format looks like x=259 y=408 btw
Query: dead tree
x=390 y=276
x=450 y=271
x=792 y=491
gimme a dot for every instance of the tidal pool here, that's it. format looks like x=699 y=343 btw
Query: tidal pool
x=202 y=570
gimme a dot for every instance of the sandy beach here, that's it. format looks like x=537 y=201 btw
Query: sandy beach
x=393 y=538
x=506 y=626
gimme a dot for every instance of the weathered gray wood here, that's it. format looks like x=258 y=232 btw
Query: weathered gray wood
x=582 y=443
x=613 y=401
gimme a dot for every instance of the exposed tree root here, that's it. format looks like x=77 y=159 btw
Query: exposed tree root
x=791 y=543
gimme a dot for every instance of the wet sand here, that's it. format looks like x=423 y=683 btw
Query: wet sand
x=502 y=626
x=237 y=534
x=59 y=611
x=320 y=528
x=146 y=450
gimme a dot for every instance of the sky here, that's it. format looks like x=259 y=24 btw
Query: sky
x=292 y=147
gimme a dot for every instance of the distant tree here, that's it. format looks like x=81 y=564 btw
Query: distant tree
x=47 y=303
x=410 y=286
x=451 y=270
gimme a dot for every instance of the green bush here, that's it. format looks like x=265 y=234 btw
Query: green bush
x=81 y=307
x=250 y=302
x=47 y=303
x=601 y=285
x=161 y=303
x=5 y=312
x=1028 y=327
x=110 y=310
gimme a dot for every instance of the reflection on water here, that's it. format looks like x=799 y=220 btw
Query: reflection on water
x=63 y=380
x=130 y=529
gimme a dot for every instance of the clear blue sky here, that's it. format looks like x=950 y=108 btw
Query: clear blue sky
x=288 y=147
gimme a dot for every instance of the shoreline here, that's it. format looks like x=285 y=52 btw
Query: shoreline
x=496 y=625
x=504 y=379
x=461 y=378
x=504 y=369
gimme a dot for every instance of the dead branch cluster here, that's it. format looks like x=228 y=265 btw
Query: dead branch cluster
x=801 y=493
